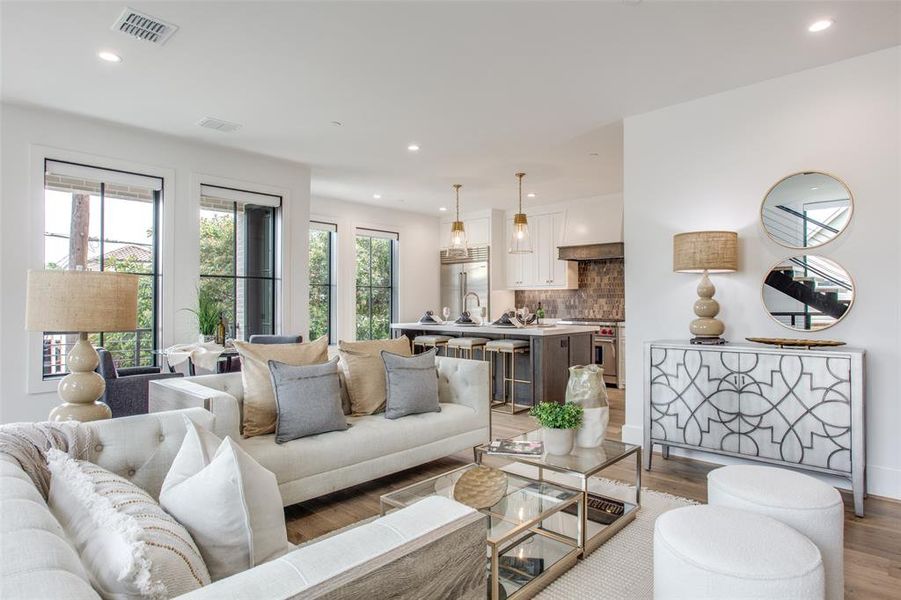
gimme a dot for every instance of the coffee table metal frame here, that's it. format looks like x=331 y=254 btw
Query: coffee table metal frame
x=618 y=451
x=522 y=529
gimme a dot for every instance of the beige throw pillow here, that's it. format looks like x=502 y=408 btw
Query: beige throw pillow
x=259 y=400
x=364 y=372
x=129 y=545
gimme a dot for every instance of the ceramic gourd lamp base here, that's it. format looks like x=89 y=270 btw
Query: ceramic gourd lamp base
x=81 y=388
x=706 y=309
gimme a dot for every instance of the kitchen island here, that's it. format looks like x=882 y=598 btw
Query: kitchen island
x=552 y=350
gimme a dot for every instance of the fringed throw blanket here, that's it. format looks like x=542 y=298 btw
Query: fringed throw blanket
x=28 y=443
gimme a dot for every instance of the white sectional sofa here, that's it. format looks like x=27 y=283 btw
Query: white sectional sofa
x=372 y=447
x=435 y=548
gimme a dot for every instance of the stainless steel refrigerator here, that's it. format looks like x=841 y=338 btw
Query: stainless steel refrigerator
x=462 y=276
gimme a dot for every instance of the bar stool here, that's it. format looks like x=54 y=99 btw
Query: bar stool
x=430 y=341
x=466 y=346
x=503 y=348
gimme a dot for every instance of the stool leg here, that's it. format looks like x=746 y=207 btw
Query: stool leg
x=513 y=383
x=504 y=374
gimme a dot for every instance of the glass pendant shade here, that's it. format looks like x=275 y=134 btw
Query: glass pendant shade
x=458 y=232
x=520 y=241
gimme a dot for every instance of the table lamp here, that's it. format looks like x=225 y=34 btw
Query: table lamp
x=706 y=252
x=81 y=302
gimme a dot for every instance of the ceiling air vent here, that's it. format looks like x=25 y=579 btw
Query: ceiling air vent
x=218 y=124
x=144 y=27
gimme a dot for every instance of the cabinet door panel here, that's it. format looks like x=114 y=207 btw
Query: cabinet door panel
x=558 y=267
x=514 y=263
x=694 y=397
x=797 y=408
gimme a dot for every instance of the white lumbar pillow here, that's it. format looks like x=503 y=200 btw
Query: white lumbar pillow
x=229 y=503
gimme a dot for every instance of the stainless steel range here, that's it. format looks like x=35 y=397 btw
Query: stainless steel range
x=607 y=346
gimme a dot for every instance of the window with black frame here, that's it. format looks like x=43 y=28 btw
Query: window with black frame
x=323 y=239
x=376 y=277
x=101 y=219
x=238 y=271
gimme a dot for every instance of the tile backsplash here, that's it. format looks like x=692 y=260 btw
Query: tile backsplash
x=601 y=294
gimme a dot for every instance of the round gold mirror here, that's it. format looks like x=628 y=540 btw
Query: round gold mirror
x=806 y=210
x=808 y=292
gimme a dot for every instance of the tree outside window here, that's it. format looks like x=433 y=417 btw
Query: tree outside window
x=237 y=260
x=375 y=301
x=103 y=220
x=322 y=284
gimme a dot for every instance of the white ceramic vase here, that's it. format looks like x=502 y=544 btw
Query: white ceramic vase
x=558 y=441
x=594 y=427
x=587 y=388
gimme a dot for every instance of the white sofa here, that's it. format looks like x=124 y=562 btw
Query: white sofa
x=435 y=548
x=372 y=447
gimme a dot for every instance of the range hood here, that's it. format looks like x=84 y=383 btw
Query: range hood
x=591 y=251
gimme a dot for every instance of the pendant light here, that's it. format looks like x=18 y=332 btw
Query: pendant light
x=520 y=242
x=458 y=234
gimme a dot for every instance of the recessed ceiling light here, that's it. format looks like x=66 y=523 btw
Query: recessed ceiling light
x=814 y=188
x=413 y=147
x=593 y=154
x=530 y=195
x=443 y=209
x=336 y=123
x=821 y=25
x=377 y=196
x=109 y=56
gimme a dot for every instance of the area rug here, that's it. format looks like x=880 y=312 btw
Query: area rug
x=622 y=568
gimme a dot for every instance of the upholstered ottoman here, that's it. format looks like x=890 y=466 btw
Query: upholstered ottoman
x=800 y=501
x=715 y=552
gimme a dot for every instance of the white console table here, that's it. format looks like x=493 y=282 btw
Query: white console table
x=797 y=408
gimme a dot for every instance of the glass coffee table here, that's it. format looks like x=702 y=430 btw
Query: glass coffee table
x=533 y=529
x=609 y=507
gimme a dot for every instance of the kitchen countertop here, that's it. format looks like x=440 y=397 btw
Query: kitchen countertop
x=524 y=331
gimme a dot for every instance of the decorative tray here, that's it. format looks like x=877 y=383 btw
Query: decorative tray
x=795 y=343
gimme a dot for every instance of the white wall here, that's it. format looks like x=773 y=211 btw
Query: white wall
x=419 y=277
x=29 y=135
x=707 y=164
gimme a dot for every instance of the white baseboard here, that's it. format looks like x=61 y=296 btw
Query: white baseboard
x=633 y=434
x=884 y=481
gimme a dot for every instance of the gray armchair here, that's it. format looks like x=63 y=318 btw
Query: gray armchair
x=127 y=388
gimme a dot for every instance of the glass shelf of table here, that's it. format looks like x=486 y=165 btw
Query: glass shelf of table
x=527 y=560
x=525 y=502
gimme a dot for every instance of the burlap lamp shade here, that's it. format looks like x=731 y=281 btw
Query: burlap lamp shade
x=81 y=302
x=711 y=251
x=706 y=252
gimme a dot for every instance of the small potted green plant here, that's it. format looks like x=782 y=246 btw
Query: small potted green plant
x=559 y=423
x=207 y=313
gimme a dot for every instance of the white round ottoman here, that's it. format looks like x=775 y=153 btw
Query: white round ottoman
x=800 y=501
x=714 y=552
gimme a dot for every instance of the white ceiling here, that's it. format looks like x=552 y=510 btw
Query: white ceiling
x=486 y=88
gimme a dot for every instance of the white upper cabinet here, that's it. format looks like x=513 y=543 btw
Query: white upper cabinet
x=541 y=269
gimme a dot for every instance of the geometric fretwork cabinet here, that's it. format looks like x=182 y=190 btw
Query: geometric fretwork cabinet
x=802 y=409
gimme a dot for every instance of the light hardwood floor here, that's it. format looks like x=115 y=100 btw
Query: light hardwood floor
x=872 y=544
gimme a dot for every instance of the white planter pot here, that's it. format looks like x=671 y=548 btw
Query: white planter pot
x=594 y=426
x=558 y=441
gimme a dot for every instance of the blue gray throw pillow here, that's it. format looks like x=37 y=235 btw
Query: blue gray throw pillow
x=308 y=399
x=412 y=383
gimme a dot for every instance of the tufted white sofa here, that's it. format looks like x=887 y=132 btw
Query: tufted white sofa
x=38 y=562
x=372 y=447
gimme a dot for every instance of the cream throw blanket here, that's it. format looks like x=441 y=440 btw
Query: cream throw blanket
x=28 y=443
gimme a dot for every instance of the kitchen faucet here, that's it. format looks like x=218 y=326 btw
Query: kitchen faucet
x=466 y=297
